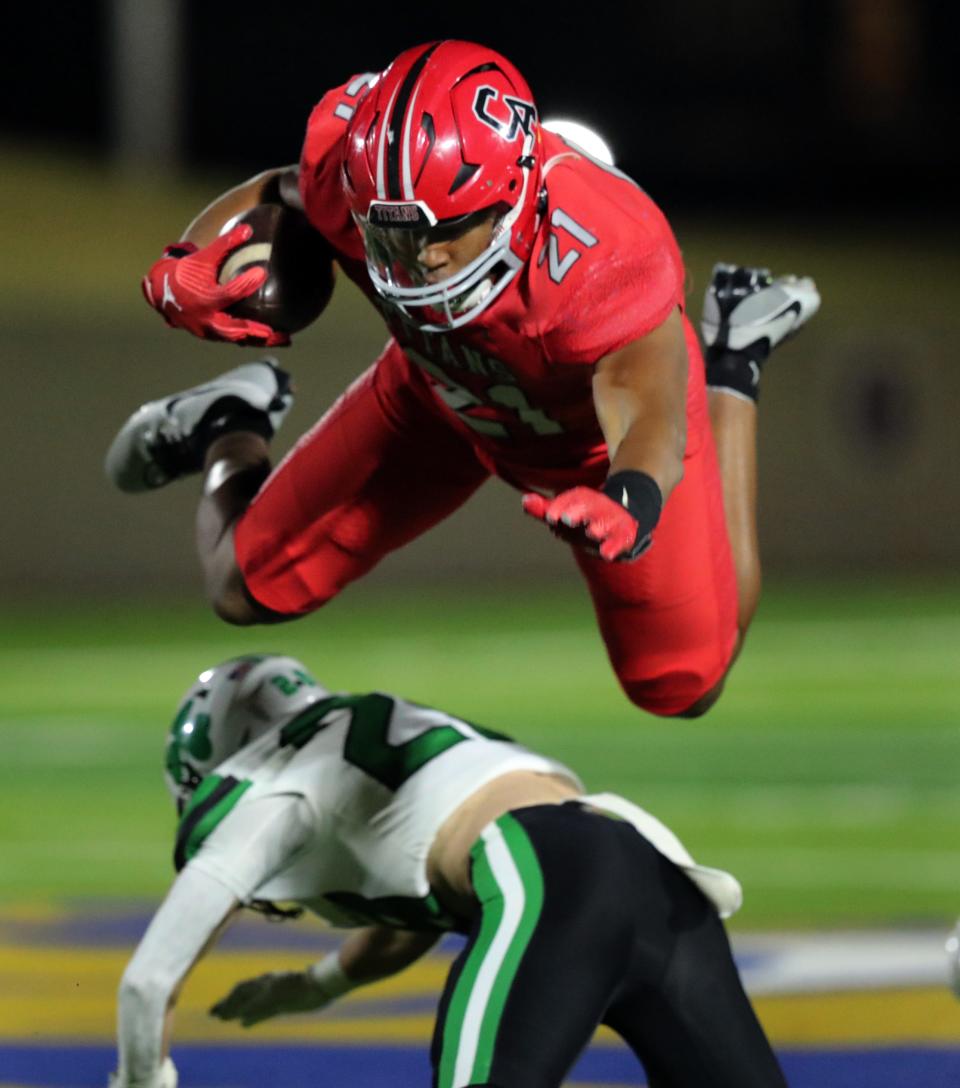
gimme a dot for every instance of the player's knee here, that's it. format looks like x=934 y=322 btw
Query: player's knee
x=698 y=708
x=233 y=610
x=233 y=604
x=672 y=695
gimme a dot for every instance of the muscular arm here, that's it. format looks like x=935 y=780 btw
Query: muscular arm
x=278 y=186
x=639 y=395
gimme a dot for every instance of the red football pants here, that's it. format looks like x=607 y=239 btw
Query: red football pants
x=383 y=465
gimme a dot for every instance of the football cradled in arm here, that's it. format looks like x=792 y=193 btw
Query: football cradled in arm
x=185 y=289
x=249 y=270
x=297 y=264
x=639 y=395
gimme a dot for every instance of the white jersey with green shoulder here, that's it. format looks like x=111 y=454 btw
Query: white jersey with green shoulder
x=379 y=776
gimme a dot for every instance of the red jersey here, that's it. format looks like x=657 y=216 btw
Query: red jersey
x=508 y=393
x=604 y=271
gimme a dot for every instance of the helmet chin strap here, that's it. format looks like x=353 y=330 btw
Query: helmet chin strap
x=472 y=298
x=486 y=292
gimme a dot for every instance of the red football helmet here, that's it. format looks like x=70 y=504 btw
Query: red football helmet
x=446 y=136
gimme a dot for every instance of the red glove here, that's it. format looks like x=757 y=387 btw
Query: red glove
x=183 y=288
x=595 y=521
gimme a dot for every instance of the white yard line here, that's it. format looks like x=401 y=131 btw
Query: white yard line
x=794 y=963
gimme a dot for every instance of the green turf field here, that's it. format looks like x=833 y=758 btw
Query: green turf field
x=826 y=779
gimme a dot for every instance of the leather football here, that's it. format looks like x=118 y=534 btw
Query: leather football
x=299 y=267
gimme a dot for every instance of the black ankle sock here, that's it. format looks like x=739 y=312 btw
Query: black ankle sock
x=738 y=371
x=232 y=414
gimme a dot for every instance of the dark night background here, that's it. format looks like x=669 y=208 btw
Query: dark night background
x=790 y=103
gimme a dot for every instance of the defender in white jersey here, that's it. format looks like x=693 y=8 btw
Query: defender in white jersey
x=405 y=822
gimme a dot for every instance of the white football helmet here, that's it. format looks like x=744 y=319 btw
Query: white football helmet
x=229 y=706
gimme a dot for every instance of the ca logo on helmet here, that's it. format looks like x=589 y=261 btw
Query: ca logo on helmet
x=522 y=115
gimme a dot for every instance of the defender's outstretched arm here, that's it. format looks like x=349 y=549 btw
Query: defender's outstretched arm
x=189 y=921
x=367 y=955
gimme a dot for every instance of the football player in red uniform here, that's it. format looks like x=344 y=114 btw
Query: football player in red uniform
x=539 y=334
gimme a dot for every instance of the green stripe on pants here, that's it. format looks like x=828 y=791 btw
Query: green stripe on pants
x=509 y=884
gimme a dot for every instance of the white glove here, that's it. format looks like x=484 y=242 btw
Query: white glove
x=279 y=992
x=165 y=1077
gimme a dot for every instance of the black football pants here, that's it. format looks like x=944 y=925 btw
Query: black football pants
x=583 y=922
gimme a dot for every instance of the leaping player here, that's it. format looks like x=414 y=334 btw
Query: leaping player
x=406 y=823
x=535 y=298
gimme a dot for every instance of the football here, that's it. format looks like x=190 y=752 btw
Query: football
x=299 y=268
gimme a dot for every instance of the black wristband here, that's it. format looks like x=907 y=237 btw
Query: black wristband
x=639 y=494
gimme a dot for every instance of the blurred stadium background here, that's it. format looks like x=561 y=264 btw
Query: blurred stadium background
x=812 y=137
